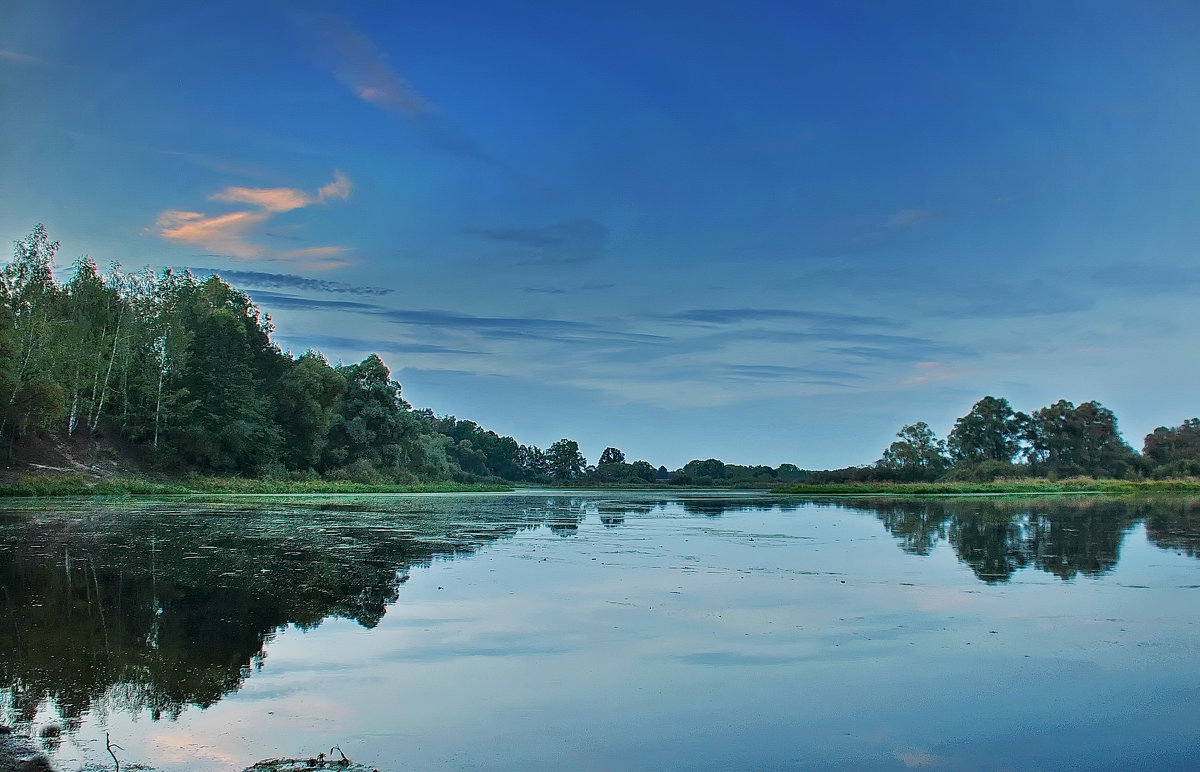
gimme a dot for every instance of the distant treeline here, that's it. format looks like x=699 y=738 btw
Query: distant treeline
x=182 y=370
x=1058 y=441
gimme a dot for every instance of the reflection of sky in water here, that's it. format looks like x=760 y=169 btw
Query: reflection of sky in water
x=758 y=639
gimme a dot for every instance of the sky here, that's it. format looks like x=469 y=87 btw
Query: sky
x=760 y=231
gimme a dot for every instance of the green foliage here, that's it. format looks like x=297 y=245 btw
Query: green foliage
x=990 y=432
x=566 y=462
x=1068 y=440
x=986 y=471
x=306 y=395
x=186 y=369
x=371 y=422
x=1174 y=451
x=611 y=456
x=1035 y=485
x=917 y=454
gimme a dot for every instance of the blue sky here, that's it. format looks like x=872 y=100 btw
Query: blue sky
x=764 y=232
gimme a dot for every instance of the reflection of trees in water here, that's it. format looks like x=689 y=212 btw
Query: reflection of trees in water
x=1176 y=528
x=156 y=609
x=1063 y=536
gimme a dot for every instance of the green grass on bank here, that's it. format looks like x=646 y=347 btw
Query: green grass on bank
x=1069 y=485
x=65 y=484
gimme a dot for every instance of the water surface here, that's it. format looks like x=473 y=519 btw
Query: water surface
x=606 y=631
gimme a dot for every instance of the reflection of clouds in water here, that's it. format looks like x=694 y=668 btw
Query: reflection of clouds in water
x=179 y=746
x=916 y=758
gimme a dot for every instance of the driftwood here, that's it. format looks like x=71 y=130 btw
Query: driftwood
x=321 y=761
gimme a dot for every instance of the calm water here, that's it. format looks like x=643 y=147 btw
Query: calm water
x=607 y=631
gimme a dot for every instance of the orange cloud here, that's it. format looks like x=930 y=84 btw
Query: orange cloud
x=229 y=234
x=224 y=233
x=271 y=199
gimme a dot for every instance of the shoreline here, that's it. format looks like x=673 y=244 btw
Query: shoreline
x=1073 y=486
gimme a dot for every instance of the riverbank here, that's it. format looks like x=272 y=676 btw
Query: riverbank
x=66 y=484
x=1071 y=485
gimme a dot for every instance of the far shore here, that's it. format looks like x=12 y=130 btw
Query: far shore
x=78 y=485
x=1033 y=485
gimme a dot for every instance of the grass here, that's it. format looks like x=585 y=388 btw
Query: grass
x=1069 y=485
x=67 y=484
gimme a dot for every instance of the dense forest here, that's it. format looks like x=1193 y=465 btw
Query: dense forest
x=182 y=370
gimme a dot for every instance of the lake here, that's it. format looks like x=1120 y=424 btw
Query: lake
x=606 y=630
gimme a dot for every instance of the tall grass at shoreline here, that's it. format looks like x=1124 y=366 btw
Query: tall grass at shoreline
x=67 y=484
x=1069 y=485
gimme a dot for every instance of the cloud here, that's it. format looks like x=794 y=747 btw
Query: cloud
x=909 y=218
x=730 y=316
x=17 y=56
x=785 y=372
x=263 y=297
x=228 y=234
x=518 y=328
x=390 y=346
x=270 y=199
x=318 y=258
x=359 y=65
x=562 y=291
x=290 y=281
x=367 y=74
x=572 y=241
x=338 y=188
x=223 y=233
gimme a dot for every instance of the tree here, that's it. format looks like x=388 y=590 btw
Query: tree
x=534 y=462
x=225 y=422
x=1068 y=440
x=305 y=397
x=1181 y=443
x=31 y=296
x=371 y=421
x=916 y=455
x=611 y=456
x=990 y=432
x=566 y=462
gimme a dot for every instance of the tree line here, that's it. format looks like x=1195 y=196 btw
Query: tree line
x=183 y=370
x=1060 y=440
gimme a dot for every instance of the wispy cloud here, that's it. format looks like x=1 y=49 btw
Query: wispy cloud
x=16 y=56
x=573 y=241
x=339 y=188
x=362 y=68
x=732 y=316
x=377 y=345
x=518 y=328
x=229 y=234
x=258 y=279
x=323 y=258
x=224 y=234
x=910 y=218
x=270 y=199
x=278 y=300
x=786 y=372
x=564 y=291
x=366 y=73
